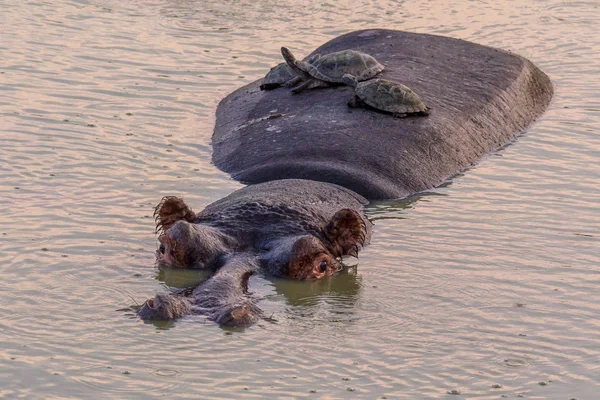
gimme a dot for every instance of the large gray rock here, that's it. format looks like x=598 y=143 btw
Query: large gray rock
x=480 y=97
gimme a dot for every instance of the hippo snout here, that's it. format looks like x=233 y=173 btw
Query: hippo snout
x=164 y=306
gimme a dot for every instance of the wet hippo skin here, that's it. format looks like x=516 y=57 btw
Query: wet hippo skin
x=223 y=298
x=297 y=229
x=480 y=98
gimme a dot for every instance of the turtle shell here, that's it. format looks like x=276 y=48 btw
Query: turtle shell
x=332 y=66
x=277 y=76
x=390 y=96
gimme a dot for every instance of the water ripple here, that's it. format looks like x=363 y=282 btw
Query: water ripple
x=106 y=106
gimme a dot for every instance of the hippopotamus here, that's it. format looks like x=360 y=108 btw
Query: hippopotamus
x=297 y=229
x=480 y=98
x=294 y=220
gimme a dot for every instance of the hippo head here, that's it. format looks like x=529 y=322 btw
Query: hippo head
x=186 y=245
x=311 y=252
x=311 y=256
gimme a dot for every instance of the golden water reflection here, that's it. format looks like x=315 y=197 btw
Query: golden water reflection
x=107 y=106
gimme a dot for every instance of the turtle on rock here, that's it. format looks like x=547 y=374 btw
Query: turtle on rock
x=282 y=75
x=278 y=76
x=386 y=96
x=329 y=69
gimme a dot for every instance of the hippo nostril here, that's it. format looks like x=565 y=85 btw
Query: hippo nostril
x=161 y=248
x=323 y=266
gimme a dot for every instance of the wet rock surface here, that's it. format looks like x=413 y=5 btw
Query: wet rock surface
x=480 y=98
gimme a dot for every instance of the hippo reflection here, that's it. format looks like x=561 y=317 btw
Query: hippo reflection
x=291 y=228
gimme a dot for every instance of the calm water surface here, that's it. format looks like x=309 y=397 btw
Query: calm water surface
x=106 y=106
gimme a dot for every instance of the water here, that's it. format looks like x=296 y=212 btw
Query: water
x=106 y=106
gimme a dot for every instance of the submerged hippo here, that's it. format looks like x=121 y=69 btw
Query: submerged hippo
x=291 y=228
x=223 y=298
x=482 y=97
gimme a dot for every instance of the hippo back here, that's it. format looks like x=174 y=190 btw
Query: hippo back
x=282 y=207
x=480 y=98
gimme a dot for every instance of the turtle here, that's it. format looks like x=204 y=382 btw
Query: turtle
x=329 y=69
x=386 y=96
x=277 y=76
x=282 y=75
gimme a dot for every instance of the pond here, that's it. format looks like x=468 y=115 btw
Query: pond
x=487 y=286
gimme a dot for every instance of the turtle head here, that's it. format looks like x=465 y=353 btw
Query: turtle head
x=287 y=55
x=350 y=80
x=299 y=67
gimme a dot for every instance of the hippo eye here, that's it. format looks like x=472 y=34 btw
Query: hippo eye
x=323 y=266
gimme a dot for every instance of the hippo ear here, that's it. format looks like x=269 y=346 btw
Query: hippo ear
x=346 y=232
x=170 y=210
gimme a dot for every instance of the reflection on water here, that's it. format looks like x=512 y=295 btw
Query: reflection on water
x=181 y=278
x=394 y=209
x=107 y=106
x=341 y=290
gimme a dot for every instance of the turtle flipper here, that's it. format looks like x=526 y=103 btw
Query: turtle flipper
x=293 y=82
x=311 y=84
x=303 y=86
x=354 y=102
